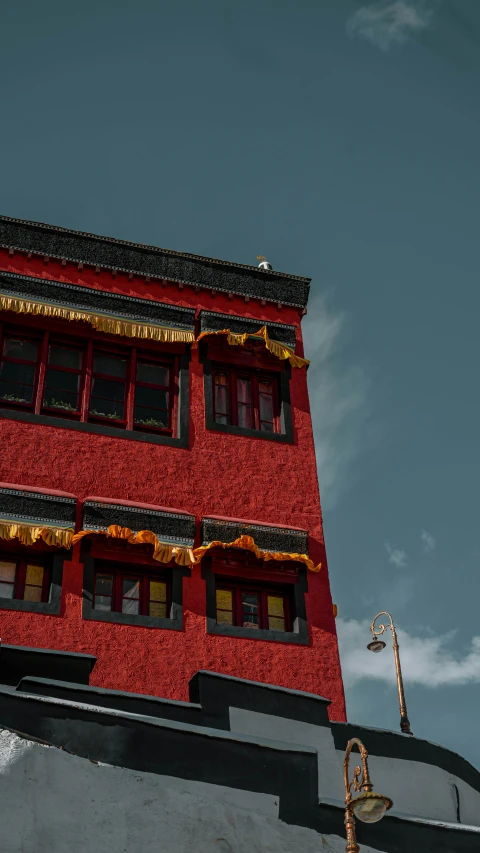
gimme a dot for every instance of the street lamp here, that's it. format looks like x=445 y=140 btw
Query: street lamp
x=377 y=646
x=368 y=806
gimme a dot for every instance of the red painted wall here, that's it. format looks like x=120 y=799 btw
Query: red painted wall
x=219 y=474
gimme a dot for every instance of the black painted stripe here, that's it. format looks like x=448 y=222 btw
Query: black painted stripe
x=407 y=748
x=97 y=301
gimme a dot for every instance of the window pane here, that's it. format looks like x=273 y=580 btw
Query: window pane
x=106 y=409
x=221 y=398
x=150 y=417
x=34 y=576
x=249 y=610
x=7 y=571
x=266 y=401
x=158 y=591
x=109 y=365
x=11 y=371
x=158 y=609
x=61 y=400
x=32 y=593
x=7 y=575
x=61 y=390
x=276 y=624
x=61 y=379
x=224 y=617
x=131 y=605
x=104 y=584
x=265 y=426
x=65 y=357
x=244 y=416
x=131 y=588
x=151 y=398
x=108 y=389
x=224 y=599
x=243 y=390
x=16 y=382
x=276 y=605
x=26 y=350
x=155 y=374
x=103 y=602
x=6 y=590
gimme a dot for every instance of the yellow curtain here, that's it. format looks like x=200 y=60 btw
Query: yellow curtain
x=280 y=350
x=162 y=551
x=247 y=543
x=60 y=536
x=102 y=324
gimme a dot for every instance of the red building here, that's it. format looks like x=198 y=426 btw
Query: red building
x=127 y=408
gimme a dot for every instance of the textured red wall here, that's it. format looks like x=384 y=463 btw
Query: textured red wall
x=219 y=474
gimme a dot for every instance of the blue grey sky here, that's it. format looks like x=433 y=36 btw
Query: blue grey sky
x=340 y=139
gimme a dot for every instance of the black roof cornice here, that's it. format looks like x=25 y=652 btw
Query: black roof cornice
x=149 y=261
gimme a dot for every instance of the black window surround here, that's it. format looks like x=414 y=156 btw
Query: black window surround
x=285 y=436
x=174 y=574
x=299 y=635
x=54 y=562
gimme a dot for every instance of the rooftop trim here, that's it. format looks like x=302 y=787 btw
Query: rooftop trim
x=143 y=260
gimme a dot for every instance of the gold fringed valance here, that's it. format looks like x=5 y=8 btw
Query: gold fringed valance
x=162 y=551
x=279 y=350
x=60 y=536
x=248 y=544
x=99 y=322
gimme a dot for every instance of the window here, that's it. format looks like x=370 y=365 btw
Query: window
x=126 y=591
x=88 y=382
x=24 y=578
x=247 y=400
x=251 y=607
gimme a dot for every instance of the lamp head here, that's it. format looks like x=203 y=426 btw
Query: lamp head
x=370 y=807
x=376 y=645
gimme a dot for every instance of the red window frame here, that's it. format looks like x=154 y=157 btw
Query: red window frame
x=89 y=347
x=255 y=378
x=237 y=588
x=118 y=575
x=19 y=583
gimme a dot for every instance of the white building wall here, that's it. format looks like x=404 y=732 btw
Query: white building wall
x=53 y=802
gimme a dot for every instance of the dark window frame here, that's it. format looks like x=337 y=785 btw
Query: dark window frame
x=285 y=435
x=238 y=586
x=52 y=562
x=135 y=564
x=254 y=377
x=252 y=576
x=175 y=358
x=131 y=572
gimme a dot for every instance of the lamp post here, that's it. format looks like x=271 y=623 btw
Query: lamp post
x=368 y=806
x=377 y=646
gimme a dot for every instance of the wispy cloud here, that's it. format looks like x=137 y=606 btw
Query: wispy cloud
x=396 y=556
x=429 y=661
x=386 y=23
x=338 y=399
x=428 y=542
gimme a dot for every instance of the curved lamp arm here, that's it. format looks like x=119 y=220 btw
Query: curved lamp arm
x=380 y=629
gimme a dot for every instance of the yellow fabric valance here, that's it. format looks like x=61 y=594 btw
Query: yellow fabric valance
x=111 y=325
x=248 y=544
x=279 y=350
x=27 y=534
x=162 y=551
